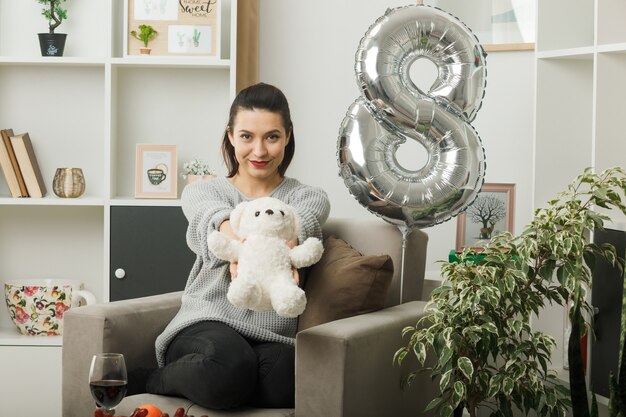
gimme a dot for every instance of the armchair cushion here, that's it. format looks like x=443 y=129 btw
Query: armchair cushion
x=345 y=283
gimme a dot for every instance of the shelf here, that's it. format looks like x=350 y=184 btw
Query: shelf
x=134 y=61
x=615 y=225
x=617 y=48
x=121 y=201
x=62 y=61
x=52 y=201
x=10 y=336
x=584 y=52
x=172 y=62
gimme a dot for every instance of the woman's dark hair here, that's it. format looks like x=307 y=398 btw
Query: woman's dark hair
x=261 y=97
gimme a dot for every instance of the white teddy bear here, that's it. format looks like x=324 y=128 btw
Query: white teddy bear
x=264 y=273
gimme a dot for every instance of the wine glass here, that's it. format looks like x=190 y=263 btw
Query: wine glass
x=107 y=380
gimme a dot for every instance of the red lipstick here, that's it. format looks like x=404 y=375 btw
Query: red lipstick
x=259 y=164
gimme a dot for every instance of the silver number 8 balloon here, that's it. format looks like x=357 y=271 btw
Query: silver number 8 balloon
x=393 y=110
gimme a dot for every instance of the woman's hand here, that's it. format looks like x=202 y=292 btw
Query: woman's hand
x=294 y=271
x=296 y=276
x=233 y=270
x=228 y=230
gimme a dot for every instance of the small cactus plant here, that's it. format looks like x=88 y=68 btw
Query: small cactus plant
x=145 y=35
x=196 y=37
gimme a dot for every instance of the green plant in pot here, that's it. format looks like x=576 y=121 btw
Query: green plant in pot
x=145 y=35
x=478 y=323
x=51 y=43
x=197 y=170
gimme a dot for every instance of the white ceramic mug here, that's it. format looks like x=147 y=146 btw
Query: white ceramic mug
x=37 y=306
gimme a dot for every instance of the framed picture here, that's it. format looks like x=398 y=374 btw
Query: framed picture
x=185 y=27
x=500 y=25
x=492 y=212
x=155 y=171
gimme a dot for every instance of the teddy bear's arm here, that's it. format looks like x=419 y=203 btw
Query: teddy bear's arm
x=307 y=253
x=223 y=246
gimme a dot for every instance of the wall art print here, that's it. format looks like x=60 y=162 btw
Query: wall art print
x=185 y=27
x=491 y=213
x=500 y=25
x=155 y=171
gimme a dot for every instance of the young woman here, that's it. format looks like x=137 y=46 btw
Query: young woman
x=213 y=353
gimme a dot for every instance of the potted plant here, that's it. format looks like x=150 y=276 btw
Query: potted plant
x=477 y=324
x=145 y=35
x=51 y=43
x=197 y=170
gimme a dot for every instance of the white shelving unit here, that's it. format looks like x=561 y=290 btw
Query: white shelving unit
x=89 y=109
x=580 y=62
x=580 y=65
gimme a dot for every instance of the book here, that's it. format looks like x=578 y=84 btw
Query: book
x=27 y=161
x=10 y=167
x=7 y=167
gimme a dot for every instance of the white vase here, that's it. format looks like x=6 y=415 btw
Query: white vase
x=194 y=178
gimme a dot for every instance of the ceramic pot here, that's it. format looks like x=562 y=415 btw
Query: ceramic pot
x=52 y=44
x=37 y=307
x=68 y=182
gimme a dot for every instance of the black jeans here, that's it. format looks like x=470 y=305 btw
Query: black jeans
x=212 y=365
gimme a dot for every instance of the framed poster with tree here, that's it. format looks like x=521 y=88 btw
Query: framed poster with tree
x=492 y=212
x=183 y=27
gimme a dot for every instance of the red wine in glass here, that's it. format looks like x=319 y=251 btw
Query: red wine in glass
x=108 y=393
x=107 y=380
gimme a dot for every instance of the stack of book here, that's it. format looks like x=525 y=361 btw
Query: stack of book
x=19 y=165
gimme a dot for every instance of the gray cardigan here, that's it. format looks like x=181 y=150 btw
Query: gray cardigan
x=206 y=205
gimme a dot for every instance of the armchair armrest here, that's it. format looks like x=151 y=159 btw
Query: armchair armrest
x=129 y=327
x=344 y=368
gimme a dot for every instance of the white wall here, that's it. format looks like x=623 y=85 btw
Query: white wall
x=307 y=49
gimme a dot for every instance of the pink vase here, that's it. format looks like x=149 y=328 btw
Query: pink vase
x=194 y=178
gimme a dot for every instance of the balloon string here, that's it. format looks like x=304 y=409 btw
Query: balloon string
x=405 y=233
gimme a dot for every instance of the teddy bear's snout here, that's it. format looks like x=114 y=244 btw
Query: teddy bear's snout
x=269 y=212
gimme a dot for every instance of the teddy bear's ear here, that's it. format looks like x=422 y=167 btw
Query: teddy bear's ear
x=235 y=216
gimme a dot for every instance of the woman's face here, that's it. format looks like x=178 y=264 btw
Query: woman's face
x=259 y=138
